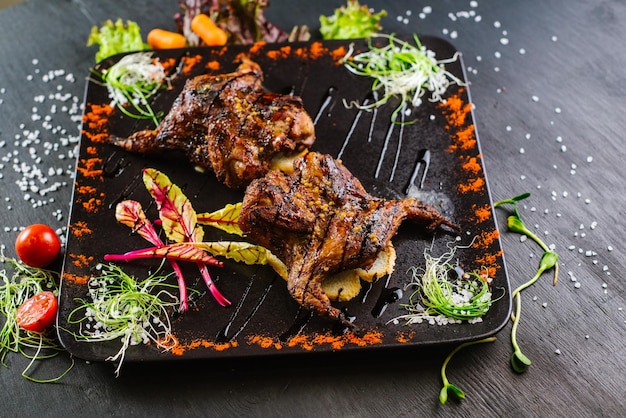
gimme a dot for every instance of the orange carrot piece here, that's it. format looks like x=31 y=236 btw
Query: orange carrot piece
x=208 y=31
x=163 y=39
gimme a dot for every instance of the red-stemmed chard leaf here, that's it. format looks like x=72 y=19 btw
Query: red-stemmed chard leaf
x=131 y=214
x=180 y=251
x=177 y=215
x=178 y=219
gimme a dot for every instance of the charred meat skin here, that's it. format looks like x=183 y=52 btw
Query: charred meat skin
x=320 y=220
x=227 y=123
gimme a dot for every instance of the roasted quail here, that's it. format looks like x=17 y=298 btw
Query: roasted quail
x=229 y=124
x=320 y=220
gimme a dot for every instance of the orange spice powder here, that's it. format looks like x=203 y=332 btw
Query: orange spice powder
x=179 y=349
x=472 y=165
x=283 y=53
x=257 y=47
x=213 y=65
x=338 y=54
x=482 y=213
x=81 y=260
x=88 y=167
x=456 y=110
x=473 y=185
x=190 y=62
x=317 y=50
x=93 y=204
x=80 y=229
x=95 y=121
x=168 y=64
x=405 y=337
x=74 y=278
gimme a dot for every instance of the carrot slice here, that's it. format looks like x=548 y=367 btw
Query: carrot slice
x=208 y=31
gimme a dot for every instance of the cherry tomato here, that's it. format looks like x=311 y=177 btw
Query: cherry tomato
x=38 y=245
x=38 y=312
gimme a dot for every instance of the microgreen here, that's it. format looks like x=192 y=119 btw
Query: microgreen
x=402 y=69
x=18 y=283
x=126 y=308
x=448 y=388
x=549 y=260
x=442 y=295
x=132 y=81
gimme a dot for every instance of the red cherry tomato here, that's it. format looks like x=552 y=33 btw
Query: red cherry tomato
x=38 y=245
x=38 y=312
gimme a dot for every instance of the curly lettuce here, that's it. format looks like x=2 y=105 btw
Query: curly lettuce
x=351 y=21
x=115 y=38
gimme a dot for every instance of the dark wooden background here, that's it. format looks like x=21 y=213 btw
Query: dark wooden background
x=549 y=86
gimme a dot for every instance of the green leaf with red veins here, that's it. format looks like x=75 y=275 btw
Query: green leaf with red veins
x=178 y=217
x=224 y=219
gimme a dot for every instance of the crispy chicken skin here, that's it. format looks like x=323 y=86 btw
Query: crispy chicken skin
x=320 y=220
x=229 y=124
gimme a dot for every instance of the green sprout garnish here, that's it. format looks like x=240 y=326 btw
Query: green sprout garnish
x=549 y=260
x=17 y=284
x=124 y=308
x=132 y=81
x=448 y=388
x=401 y=69
x=443 y=295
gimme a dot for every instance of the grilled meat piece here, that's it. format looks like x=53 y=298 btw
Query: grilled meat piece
x=229 y=124
x=320 y=220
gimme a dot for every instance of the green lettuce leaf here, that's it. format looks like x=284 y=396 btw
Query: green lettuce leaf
x=115 y=38
x=351 y=21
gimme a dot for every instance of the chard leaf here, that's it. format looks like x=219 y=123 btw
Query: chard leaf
x=224 y=219
x=131 y=214
x=235 y=250
x=178 y=251
x=178 y=217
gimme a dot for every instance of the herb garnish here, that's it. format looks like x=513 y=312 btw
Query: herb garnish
x=123 y=307
x=448 y=388
x=443 y=294
x=133 y=80
x=549 y=260
x=401 y=69
x=15 y=288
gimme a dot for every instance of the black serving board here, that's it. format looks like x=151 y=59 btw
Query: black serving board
x=263 y=318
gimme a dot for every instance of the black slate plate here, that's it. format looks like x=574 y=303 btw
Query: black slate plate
x=263 y=318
